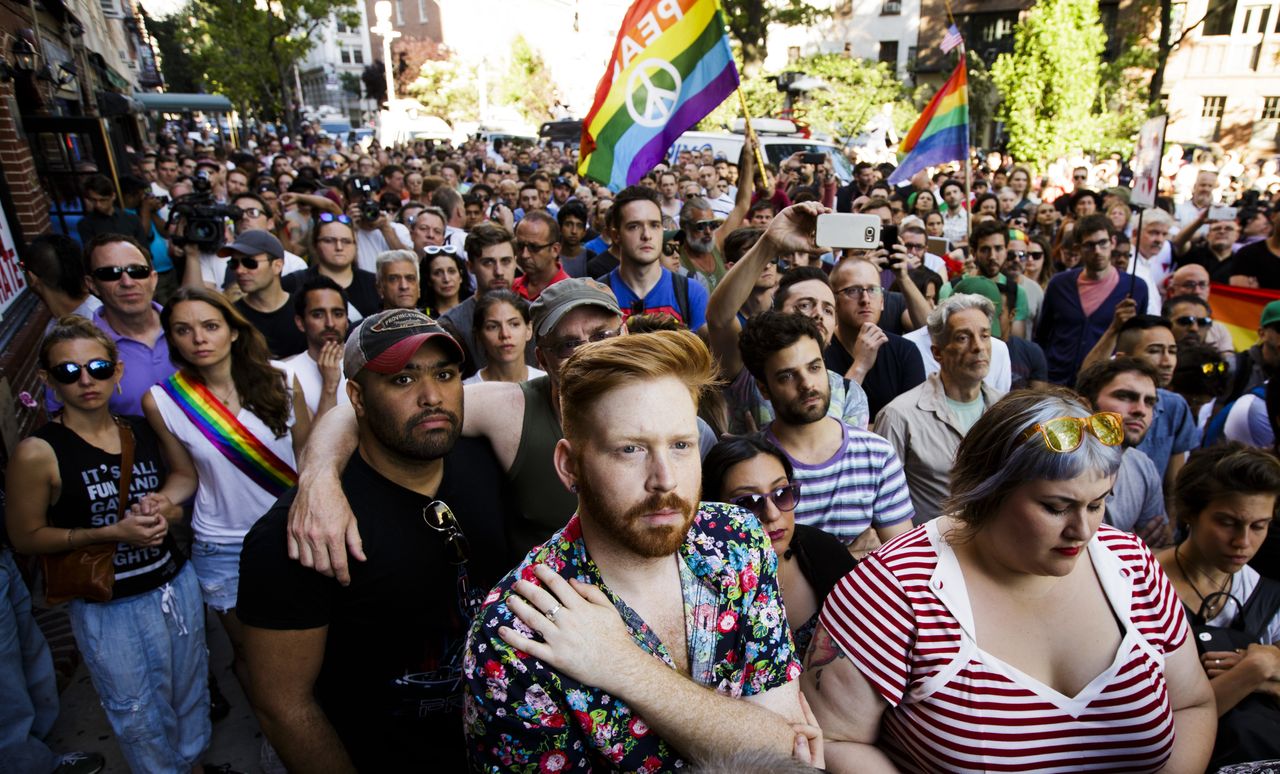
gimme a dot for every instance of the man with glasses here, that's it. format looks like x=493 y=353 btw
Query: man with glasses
x=367 y=676
x=121 y=276
x=257 y=215
x=1190 y=318
x=926 y=424
x=256 y=260
x=537 y=247
x=1193 y=280
x=1080 y=304
x=1216 y=254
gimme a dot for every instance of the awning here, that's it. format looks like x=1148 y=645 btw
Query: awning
x=169 y=102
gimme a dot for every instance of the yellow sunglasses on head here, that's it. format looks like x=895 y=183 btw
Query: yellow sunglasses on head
x=1065 y=434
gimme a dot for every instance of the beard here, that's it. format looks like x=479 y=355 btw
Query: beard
x=794 y=412
x=700 y=245
x=415 y=445
x=626 y=528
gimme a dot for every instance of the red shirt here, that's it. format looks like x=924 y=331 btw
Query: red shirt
x=521 y=285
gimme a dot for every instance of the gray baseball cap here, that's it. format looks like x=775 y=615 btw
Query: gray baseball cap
x=558 y=299
x=254 y=242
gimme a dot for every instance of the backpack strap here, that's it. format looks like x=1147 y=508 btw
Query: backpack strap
x=1260 y=608
x=680 y=283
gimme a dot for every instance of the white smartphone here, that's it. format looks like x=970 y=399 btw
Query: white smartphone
x=1222 y=212
x=843 y=229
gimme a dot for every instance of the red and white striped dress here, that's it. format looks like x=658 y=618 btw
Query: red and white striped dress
x=903 y=618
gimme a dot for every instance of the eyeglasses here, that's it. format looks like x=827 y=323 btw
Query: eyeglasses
x=854 y=292
x=1188 y=320
x=339 y=241
x=136 y=271
x=705 y=225
x=69 y=373
x=784 y=498
x=249 y=262
x=440 y=518
x=1035 y=254
x=329 y=217
x=250 y=212
x=1096 y=244
x=1193 y=284
x=563 y=349
x=914 y=247
x=446 y=249
x=1021 y=255
x=1065 y=434
x=533 y=247
x=1212 y=368
x=670 y=248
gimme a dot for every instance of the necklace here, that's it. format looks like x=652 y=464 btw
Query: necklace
x=226 y=401
x=1206 y=613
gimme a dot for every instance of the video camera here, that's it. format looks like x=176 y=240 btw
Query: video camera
x=203 y=219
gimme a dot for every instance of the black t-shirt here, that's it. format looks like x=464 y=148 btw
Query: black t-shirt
x=118 y=222
x=1026 y=363
x=898 y=368
x=282 y=334
x=602 y=264
x=1219 y=271
x=391 y=680
x=1256 y=260
x=89 y=498
x=362 y=292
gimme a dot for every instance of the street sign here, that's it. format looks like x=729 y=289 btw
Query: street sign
x=1146 y=162
x=11 y=280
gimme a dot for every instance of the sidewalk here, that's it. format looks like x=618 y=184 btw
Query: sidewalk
x=236 y=739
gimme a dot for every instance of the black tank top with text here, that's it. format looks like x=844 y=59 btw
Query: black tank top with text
x=90 y=484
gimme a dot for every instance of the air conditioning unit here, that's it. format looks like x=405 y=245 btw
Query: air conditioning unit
x=111 y=9
x=891 y=8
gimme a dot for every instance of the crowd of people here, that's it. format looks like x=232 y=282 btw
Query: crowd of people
x=482 y=465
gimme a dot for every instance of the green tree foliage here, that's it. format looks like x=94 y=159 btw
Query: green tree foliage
x=447 y=88
x=1050 y=82
x=859 y=90
x=176 y=66
x=247 y=50
x=983 y=98
x=528 y=85
x=749 y=22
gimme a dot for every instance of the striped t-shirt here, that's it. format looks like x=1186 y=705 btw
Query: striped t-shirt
x=860 y=486
x=902 y=617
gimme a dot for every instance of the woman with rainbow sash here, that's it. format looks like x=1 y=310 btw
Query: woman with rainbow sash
x=227 y=412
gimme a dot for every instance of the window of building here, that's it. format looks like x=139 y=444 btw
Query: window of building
x=1219 y=16
x=1211 y=117
x=1271 y=108
x=889 y=52
x=399 y=12
x=357 y=55
x=891 y=8
x=344 y=54
x=1256 y=19
x=422 y=11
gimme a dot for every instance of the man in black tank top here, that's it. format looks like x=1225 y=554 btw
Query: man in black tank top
x=366 y=676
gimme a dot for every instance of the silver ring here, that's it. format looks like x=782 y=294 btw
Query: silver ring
x=551 y=614
x=1216 y=661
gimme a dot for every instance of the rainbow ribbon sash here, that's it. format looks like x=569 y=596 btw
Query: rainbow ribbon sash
x=228 y=436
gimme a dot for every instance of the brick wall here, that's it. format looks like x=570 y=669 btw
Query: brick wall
x=31 y=205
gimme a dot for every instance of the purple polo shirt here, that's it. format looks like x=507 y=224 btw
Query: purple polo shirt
x=143 y=367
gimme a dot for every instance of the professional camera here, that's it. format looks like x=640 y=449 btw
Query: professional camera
x=364 y=188
x=198 y=219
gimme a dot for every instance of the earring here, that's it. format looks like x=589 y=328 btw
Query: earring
x=573 y=488
x=119 y=389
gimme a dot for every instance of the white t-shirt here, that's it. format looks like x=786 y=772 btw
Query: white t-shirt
x=307 y=372
x=476 y=378
x=999 y=375
x=370 y=242
x=227 y=502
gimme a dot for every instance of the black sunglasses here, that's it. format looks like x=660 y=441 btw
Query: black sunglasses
x=249 y=262
x=785 y=498
x=440 y=518
x=135 y=271
x=1188 y=319
x=329 y=217
x=69 y=373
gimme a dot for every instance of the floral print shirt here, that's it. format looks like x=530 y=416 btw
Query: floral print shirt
x=521 y=716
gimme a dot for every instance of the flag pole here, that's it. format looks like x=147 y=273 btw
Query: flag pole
x=751 y=133
x=968 y=164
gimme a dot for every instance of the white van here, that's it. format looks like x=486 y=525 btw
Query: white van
x=778 y=140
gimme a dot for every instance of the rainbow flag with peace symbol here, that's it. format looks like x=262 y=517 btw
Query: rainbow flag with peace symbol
x=671 y=66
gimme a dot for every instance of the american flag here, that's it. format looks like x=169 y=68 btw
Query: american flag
x=952 y=39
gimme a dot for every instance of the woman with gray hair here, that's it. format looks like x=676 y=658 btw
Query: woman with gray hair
x=1016 y=631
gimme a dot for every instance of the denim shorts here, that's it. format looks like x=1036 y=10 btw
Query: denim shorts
x=147 y=657
x=218 y=568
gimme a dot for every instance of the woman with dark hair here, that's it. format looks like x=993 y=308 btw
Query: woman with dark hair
x=1015 y=628
x=986 y=205
x=445 y=281
x=1201 y=376
x=1226 y=498
x=227 y=414
x=752 y=473
x=144 y=645
x=503 y=329
x=921 y=203
x=1037 y=267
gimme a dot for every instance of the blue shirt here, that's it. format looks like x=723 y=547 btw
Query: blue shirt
x=597 y=245
x=662 y=299
x=159 y=247
x=1173 y=430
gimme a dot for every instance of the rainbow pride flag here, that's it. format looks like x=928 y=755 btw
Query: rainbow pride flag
x=670 y=67
x=1240 y=310
x=941 y=133
x=235 y=441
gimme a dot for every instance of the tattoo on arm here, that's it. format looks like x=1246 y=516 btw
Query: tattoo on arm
x=822 y=652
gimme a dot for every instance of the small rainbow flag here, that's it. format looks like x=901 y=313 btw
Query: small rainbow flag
x=235 y=441
x=1240 y=310
x=671 y=66
x=941 y=133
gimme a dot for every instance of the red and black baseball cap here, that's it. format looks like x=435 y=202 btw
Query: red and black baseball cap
x=385 y=341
